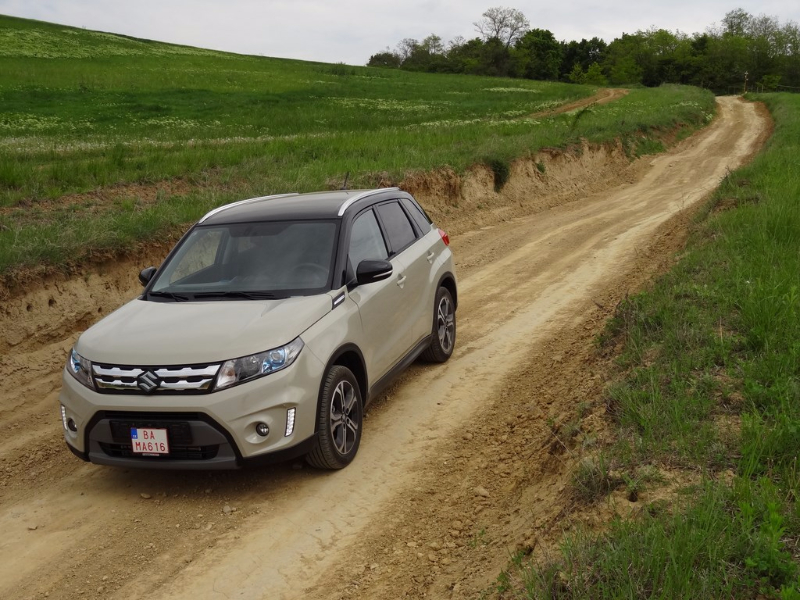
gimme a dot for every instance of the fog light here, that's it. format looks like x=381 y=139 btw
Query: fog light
x=262 y=429
x=290 y=421
x=72 y=426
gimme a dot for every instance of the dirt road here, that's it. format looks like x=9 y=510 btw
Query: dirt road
x=460 y=465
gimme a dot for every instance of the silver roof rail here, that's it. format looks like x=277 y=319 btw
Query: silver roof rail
x=240 y=202
x=347 y=204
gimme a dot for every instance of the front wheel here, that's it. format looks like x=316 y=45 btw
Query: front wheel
x=443 y=337
x=339 y=419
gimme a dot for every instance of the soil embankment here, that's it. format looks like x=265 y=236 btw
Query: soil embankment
x=460 y=465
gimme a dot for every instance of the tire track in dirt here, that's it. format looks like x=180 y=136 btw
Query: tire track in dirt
x=529 y=299
x=603 y=96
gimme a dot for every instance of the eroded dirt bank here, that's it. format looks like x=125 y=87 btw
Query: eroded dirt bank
x=460 y=463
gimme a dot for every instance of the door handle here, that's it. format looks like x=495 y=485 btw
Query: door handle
x=430 y=256
x=401 y=280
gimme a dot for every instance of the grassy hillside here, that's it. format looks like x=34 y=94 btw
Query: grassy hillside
x=712 y=392
x=85 y=111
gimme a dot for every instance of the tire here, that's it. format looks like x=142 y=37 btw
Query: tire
x=340 y=412
x=443 y=335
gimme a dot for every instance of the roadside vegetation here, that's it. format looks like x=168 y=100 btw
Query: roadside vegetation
x=107 y=141
x=708 y=395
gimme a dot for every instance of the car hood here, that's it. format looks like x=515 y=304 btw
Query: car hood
x=182 y=333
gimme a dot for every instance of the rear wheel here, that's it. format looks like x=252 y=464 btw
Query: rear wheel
x=339 y=419
x=443 y=338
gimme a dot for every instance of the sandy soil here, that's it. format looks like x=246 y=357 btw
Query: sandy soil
x=461 y=464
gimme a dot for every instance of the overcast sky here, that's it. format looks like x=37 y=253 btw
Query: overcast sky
x=351 y=31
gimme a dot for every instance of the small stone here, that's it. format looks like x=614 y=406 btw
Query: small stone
x=100 y=589
x=481 y=491
x=145 y=496
x=105 y=577
x=468 y=436
x=457 y=525
x=434 y=546
x=33 y=527
x=227 y=509
x=412 y=544
x=432 y=557
x=373 y=566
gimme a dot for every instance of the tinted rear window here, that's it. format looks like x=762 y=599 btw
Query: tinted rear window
x=398 y=227
x=418 y=215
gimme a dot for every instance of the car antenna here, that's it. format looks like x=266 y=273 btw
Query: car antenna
x=346 y=177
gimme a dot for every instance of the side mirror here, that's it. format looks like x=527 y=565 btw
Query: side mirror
x=370 y=271
x=146 y=275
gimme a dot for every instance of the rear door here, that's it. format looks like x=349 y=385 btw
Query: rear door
x=407 y=248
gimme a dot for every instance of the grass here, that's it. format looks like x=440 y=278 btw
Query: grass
x=711 y=385
x=86 y=111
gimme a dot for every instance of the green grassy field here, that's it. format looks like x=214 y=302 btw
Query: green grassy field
x=712 y=388
x=84 y=111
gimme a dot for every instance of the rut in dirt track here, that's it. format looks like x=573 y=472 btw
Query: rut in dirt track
x=405 y=518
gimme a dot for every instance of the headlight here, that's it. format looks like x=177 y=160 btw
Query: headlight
x=80 y=368
x=243 y=369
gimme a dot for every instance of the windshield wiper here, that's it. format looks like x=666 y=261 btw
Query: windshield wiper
x=255 y=295
x=171 y=295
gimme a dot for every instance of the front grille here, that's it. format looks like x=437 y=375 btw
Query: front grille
x=196 y=379
x=175 y=452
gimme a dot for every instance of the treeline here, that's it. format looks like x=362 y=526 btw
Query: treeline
x=759 y=50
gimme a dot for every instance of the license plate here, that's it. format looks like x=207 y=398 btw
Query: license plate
x=149 y=442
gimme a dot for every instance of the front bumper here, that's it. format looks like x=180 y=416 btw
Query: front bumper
x=206 y=431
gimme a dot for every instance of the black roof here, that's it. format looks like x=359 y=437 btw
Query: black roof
x=316 y=205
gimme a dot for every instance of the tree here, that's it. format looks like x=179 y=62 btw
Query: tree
x=737 y=22
x=504 y=24
x=625 y=59
x=384 y=59
x=594 y=75
x=456 y=43
x=432 y=44
x=538 y=55
x=466 y=56
x=582 y=53
x=577 y=75
x=405 y=47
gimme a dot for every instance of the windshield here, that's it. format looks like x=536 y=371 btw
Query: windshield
x=250 y=261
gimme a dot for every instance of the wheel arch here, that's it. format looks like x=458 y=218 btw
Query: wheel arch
x=350 y=356
x=448 y=281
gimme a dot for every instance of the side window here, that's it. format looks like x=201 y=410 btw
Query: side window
x=398 y=227
x=420 y=218
x=366 y=241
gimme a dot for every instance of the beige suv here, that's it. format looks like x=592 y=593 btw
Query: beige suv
x=264 y=334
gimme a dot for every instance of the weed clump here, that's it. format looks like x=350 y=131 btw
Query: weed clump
x=501 y=169
x=592 y=479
